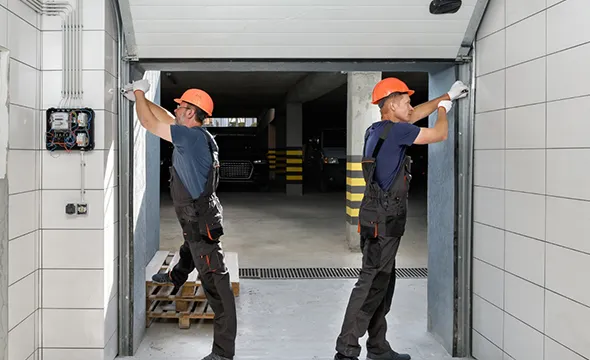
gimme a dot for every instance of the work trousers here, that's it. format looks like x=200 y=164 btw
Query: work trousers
x=207 y=257
x=370 y=300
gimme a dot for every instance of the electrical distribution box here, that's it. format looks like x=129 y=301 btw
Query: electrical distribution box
x=69 y=129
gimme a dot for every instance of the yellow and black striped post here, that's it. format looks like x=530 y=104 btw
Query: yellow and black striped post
x=355 y=188
x=294 y=168
x=280 y=162
x=271 y=156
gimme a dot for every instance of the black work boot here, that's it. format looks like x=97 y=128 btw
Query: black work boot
x=390 y=355
x=214 y=356
x=162 y=278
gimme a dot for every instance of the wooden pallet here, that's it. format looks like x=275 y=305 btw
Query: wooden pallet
x=189 y=302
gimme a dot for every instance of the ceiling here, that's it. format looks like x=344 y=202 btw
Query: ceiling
x=296 y=29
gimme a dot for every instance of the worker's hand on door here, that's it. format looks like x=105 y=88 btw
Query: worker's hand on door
x=458 y=90
x=447 y=104
x=127 y=91
x=141 y=85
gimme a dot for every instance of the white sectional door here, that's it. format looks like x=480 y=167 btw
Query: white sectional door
x=296 y=29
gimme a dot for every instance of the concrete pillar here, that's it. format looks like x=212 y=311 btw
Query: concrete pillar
x=281 y=144
x=294 y=151
x=272 y=151
x=360 y=115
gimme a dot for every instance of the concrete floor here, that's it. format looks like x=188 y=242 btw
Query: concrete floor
x=296 y=320
x=273 y=230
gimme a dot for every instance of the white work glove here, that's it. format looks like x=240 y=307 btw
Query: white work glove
x=458 y=90
x=143 y=85
x=127 y=91
x=447 y=104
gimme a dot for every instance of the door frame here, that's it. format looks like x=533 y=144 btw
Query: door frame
x=463 y=173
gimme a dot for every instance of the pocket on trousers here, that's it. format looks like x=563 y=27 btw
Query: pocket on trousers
x=213 y=262
x=368 y=223
x=395 y=221
x=211 y=220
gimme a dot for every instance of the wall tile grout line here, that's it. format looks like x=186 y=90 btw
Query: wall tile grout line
x=533 y=193
x=533 y=238
x=533 y=104
x=533 y=59
x=23 y=235
x=20 y=17
x=544 y=335
x=23 y=320
x=532 y=283
x=24 y=63
x=504 y=193
x=23 y=278
x=485 y=337
x=546 y=190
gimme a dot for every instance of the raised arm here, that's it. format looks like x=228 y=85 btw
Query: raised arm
x=440 y=131
x=159 y=112
x=146 y=117
x=457 y=91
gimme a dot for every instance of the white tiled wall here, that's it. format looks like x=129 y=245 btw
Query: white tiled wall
x=62 y=271
x=532 y=199
x=20 y=34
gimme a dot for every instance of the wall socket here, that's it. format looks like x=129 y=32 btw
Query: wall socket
x=79 y=209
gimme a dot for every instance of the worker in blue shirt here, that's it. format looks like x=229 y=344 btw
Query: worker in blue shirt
x=383 y=210
x=193 y=182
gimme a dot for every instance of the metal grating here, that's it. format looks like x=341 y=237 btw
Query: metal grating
x=235 y=170
x=323 y=273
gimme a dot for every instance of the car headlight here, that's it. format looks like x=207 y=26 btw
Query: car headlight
x=259 y=162
x=330 y=160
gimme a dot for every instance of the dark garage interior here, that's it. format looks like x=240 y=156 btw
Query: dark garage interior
x=264 y=226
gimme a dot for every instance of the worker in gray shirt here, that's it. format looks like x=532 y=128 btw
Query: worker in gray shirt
x=194 y=179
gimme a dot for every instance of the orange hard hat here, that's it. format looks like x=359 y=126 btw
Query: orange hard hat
x=388 y=86
x=198 y=98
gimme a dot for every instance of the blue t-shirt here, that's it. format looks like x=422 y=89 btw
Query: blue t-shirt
x=393 y=149
x=191 y=157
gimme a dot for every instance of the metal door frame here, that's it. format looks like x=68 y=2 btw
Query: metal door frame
x=463 y=175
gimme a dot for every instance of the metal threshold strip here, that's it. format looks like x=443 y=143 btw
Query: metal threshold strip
x=322 y=273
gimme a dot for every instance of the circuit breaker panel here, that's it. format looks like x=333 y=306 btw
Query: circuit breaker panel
x=69 y=129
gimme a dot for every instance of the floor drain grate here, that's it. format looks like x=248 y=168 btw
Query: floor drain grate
x=323 y=273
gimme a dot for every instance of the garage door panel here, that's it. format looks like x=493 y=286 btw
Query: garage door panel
x=288 y=2
x=370 y=28
x=281 y=13
x=376 y=29
x=293 y=39
x=291 y=52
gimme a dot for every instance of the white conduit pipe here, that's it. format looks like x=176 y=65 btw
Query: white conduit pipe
x=49 y=8
x=79 y=53
x=72 y=45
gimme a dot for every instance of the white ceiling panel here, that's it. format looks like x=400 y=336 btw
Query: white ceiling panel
x=301 y=29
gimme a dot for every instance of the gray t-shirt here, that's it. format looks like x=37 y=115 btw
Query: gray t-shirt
x=191 y=157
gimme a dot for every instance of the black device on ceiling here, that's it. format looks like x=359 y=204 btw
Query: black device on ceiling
x=438 y=7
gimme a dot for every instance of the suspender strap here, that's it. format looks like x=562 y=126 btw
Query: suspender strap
x=382 y=138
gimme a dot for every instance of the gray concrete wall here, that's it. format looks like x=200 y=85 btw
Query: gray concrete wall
x=360 y=115
x=441 y=222
x=294 y=133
